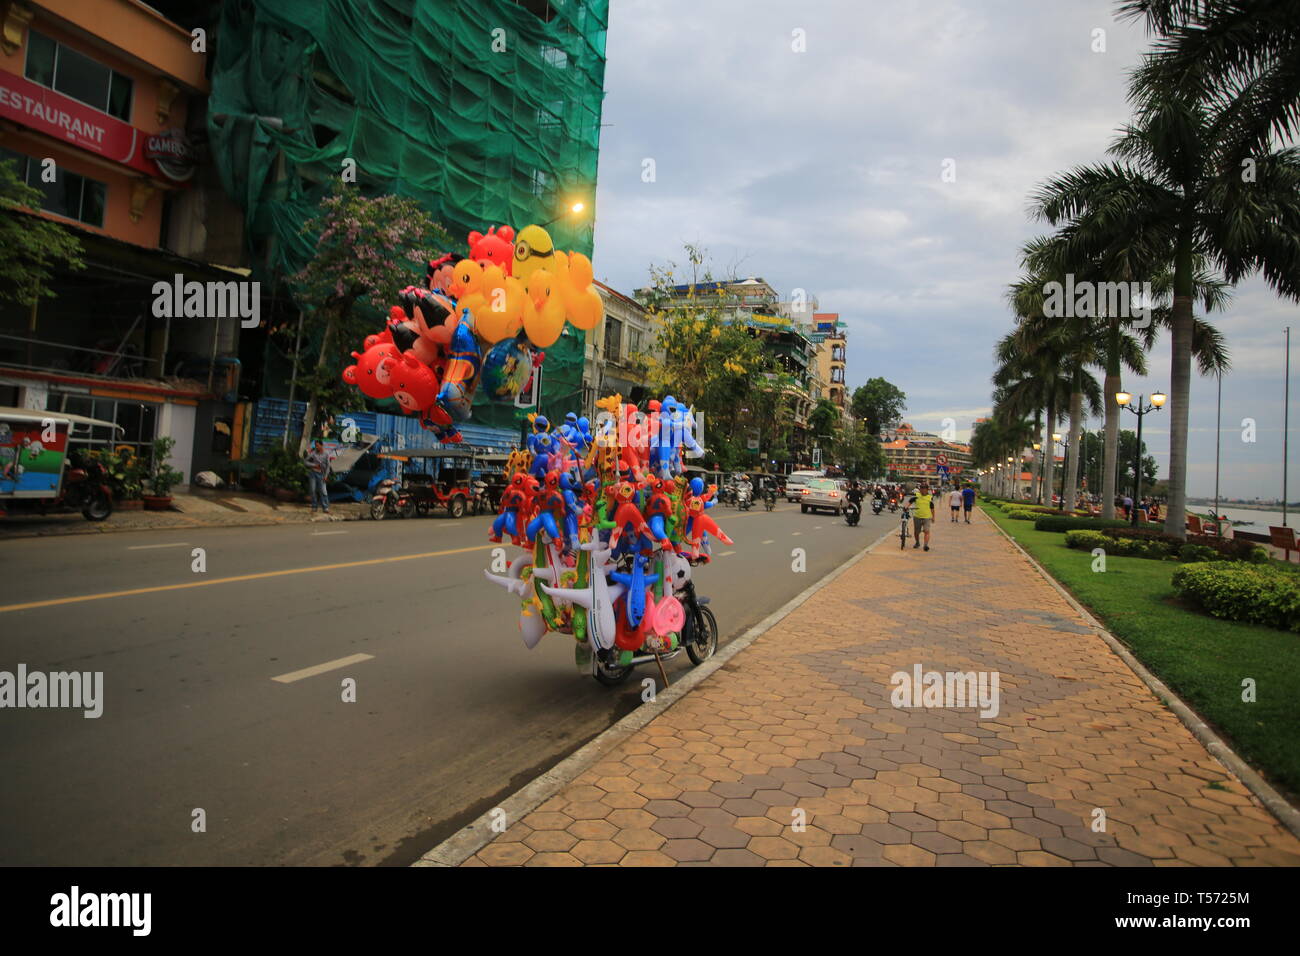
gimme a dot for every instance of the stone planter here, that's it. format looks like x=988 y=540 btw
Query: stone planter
x=129 y=504
x=157 y=503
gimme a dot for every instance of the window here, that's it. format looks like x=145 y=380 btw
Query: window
x=70 y=195
x=613 y=339
x=837 y=375
x=61 y=68
x=633 y=341
x=138 y=420
x=837 y=353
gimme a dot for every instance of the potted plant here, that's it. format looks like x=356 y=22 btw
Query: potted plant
x=286 y=475
x=126 y=475
x=163 y=477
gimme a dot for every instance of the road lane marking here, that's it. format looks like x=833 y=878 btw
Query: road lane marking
x=769 y=541
x=5 y=608
x=795 y=533
x=292 y=676
x=725 y=553
x=817 y=527
x=149 y=547
x=317 y=534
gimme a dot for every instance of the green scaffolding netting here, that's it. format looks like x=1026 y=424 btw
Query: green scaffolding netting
x=485 y=111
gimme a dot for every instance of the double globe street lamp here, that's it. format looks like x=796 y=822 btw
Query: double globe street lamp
x=1125 y=400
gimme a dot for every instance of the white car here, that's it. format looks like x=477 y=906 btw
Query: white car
x=797 y=481
x=823 y=494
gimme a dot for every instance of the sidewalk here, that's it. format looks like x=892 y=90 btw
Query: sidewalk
x=201 y=510
x=802 y=721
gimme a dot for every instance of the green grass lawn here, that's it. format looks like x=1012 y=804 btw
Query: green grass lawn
x=1204 y=660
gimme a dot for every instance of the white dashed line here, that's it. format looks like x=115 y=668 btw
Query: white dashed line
x=769 y=541
x=322 y=668
x=318 y=534
x=725 y=553
x=150 y=547
x=796 y=533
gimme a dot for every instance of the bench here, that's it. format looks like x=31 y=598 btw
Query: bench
x=1284 y=539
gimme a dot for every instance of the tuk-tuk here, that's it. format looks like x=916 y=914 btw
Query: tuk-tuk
x=449 y=483
x=38 y=469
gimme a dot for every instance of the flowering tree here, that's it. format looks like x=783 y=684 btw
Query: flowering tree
x=367 y=251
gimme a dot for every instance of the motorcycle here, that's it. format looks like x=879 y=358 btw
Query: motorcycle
x=893 y=505
x=769 y=499
x=852 y=514
x=699 y=638
x=85 y=487
x=877 y=506
x=744 y=498
x=391 y=499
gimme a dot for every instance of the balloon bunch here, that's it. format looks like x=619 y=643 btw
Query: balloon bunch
x=483 y=319
x=609 y=527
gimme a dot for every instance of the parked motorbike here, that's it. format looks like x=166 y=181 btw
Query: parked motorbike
x=699 y=638
x=391 y=499
x=852 y=514
x=85 y=487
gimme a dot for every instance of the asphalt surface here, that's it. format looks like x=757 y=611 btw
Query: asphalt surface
x=452 y=712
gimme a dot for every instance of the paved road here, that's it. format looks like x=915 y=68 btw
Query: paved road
x=452 y=712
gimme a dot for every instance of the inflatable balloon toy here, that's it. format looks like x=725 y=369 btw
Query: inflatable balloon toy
x=699 y=524
x=516 y=502
x=362 y=374
x=493 y=247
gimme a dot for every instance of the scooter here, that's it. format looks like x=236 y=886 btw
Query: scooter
x=893 y=505
x=852 y=514
x=877 y=505
x=769 y=499
x=85 y=487
x=391 y=499
x=744 y=498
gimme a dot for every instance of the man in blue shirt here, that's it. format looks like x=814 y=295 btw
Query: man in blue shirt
x=967 y=500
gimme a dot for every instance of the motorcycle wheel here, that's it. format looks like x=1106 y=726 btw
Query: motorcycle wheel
x=377 y=509
x=611 y=675
x=702 y=642
x=97 y=507
x=408 y=509
x=457 y=507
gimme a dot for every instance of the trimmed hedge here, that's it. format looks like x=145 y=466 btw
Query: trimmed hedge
x=1141 y=543
x=1236 y=591
x=1062 y=523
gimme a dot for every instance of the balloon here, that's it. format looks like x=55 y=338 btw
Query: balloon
x=543 y=326
x=465 y=278
x=494 y=247
x=589 y=310
x=362 y=374
x=534 y=250
x=492 y=314
x=506 y=369
x=414 y=384
x=580 y=272
x=539 y=286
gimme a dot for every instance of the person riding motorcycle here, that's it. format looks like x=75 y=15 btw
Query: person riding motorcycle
x=744 y=491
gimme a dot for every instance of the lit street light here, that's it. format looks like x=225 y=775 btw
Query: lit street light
x=1124 y=400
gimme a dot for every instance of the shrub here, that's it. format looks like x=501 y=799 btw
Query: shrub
x=286 y=470
x=1237 y=591
x=1086 y=540
x=1020 y=514
x=1063 y=523
x=1196 y=552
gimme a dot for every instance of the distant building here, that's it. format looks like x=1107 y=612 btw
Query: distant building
x=615 y=349
x=913 y=456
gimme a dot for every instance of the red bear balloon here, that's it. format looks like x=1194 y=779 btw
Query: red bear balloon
x=362 y=375
x=414 y=384
x=496 y=248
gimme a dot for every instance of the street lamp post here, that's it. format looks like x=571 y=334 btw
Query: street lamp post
x=1037 y=490
x=1124 y=400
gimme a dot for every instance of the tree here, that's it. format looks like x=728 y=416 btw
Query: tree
x=1175 y=200
x=33 y=246
x=367 y=251
x=824 y=419
x=857 y=451
x=711 y=363
x=880 y=403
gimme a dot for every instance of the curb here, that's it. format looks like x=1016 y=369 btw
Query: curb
x=1287 y=815
x=193 y=523
x=456 y=849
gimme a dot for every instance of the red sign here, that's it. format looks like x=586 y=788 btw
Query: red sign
x=74 y=123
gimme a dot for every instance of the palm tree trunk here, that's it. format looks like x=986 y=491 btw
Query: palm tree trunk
x=1180 y=390
x=1049 y=454
x=1072 y=443
x=1112 y=424
x=1036 y=464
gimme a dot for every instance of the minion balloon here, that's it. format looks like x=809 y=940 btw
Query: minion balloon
x=534 y=249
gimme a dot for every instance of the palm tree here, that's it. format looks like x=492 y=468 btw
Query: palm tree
x=1243 y=59
x=1032 y=375
x=1175 y=202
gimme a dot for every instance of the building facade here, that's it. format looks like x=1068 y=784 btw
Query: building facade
x=100 y=101
x=913 y=456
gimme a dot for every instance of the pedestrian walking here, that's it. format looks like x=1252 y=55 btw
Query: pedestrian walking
x=954 y=504
x=318 y=473
x=968 y=500
x=921 y=503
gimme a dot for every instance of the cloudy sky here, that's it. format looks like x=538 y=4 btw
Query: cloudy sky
x=822 y=170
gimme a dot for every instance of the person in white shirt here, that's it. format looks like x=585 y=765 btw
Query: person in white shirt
x=954 y=504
